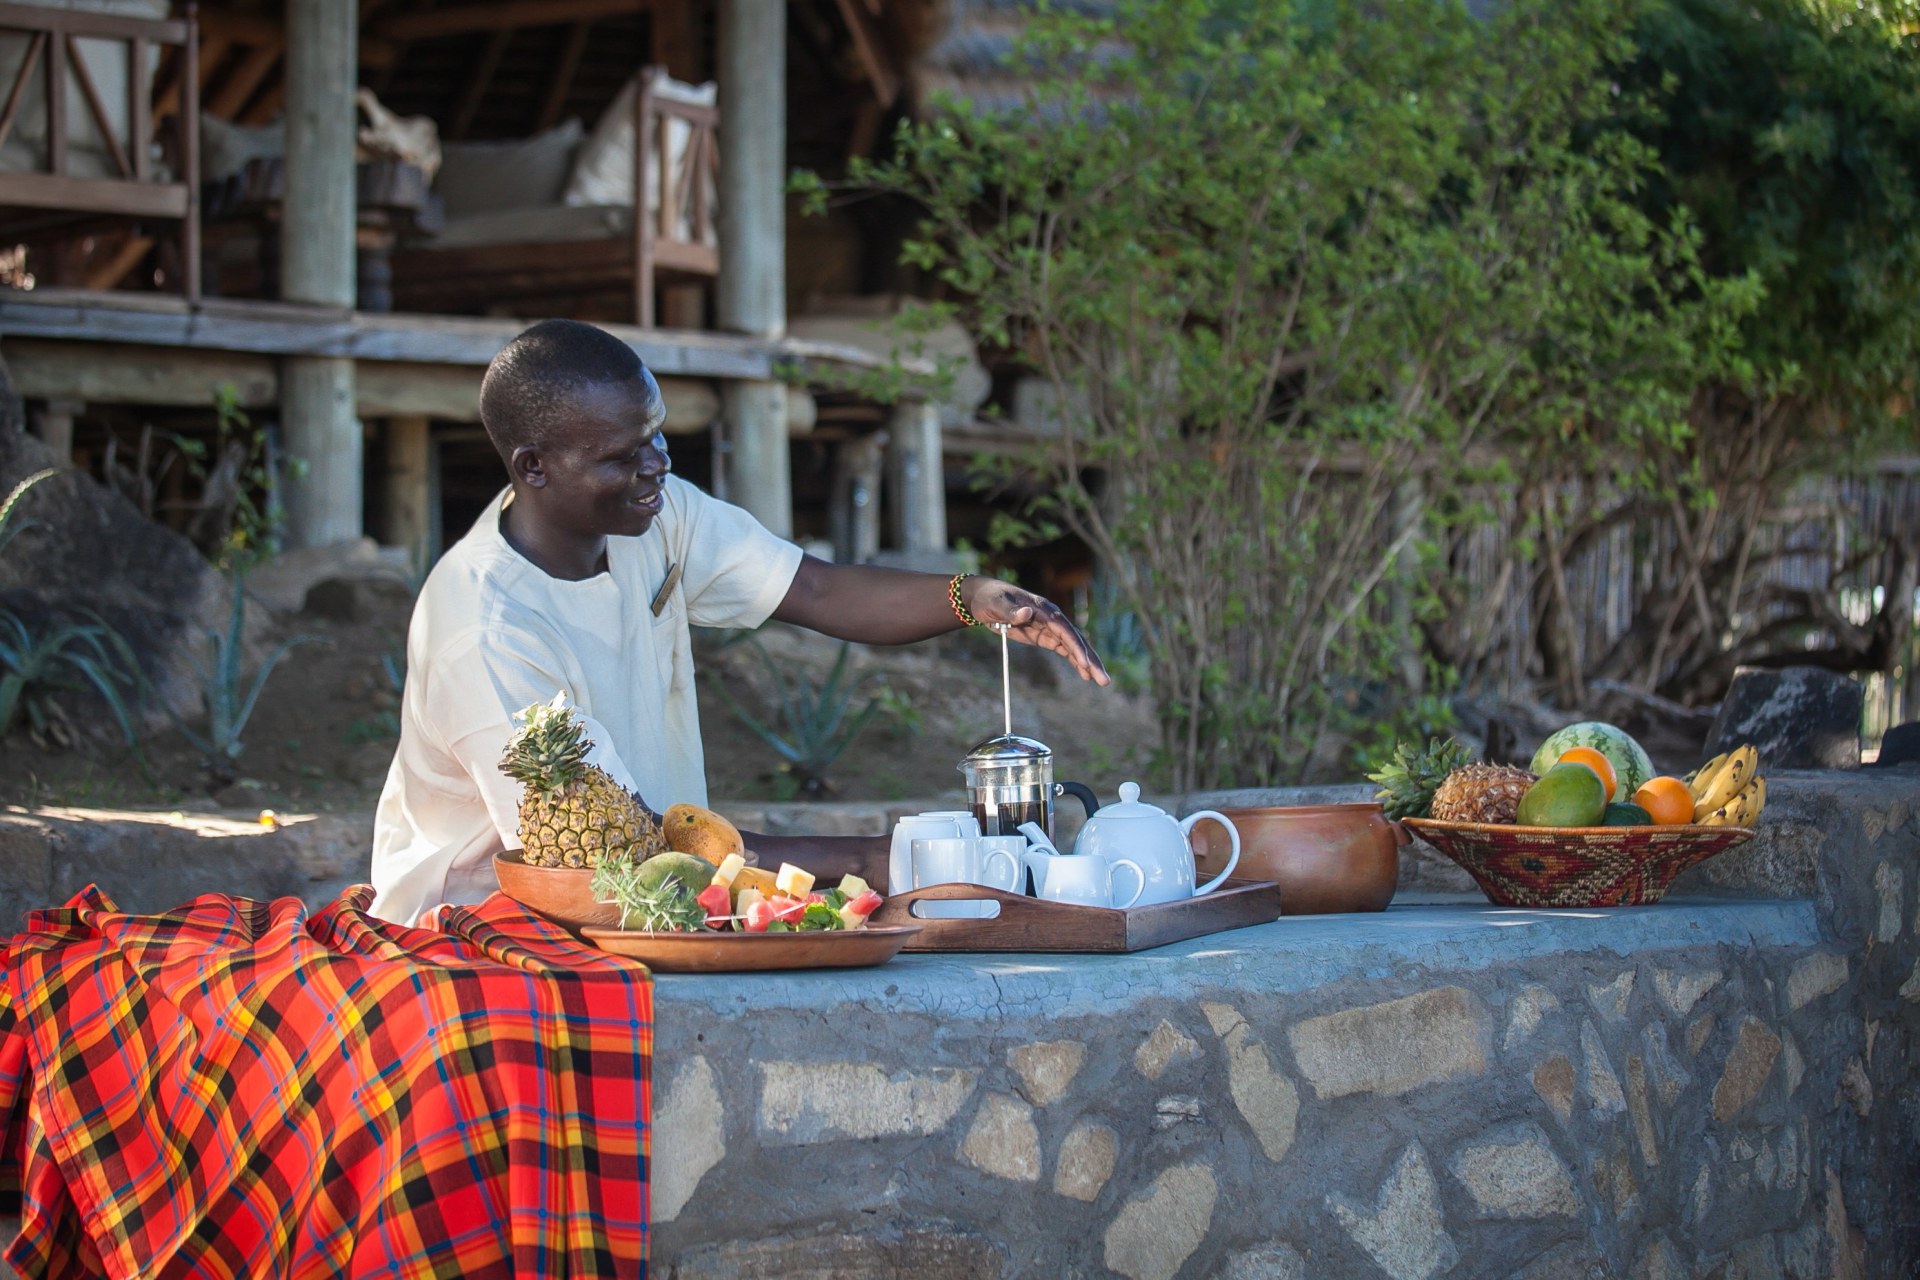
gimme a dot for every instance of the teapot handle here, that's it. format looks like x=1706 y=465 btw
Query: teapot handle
x=1233 y=834
x=1079 y=791
x=1032 y=831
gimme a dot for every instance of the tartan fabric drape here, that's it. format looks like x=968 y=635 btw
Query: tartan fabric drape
x=241 y=1089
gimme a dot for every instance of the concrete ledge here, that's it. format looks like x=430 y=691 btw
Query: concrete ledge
x=1714 y=1086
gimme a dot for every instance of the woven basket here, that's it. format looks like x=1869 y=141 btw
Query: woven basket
x=1575 y=866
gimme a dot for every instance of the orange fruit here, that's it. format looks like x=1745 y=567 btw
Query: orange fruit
x=1596 y=762
x=1667 y=800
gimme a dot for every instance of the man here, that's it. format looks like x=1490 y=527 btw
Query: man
x=584 y=577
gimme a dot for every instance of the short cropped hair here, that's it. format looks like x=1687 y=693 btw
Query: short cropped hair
x=530 y=387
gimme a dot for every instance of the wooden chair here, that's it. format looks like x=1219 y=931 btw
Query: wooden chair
x=671 y=238
x=40 y=204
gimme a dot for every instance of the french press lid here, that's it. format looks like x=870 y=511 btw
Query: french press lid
x=1008 y=759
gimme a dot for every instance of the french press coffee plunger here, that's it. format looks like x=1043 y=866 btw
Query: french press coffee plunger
x=1010 y=781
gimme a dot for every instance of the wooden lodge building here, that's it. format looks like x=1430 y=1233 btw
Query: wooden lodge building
x=238 y=193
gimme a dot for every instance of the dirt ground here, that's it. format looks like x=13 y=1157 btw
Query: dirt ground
x=322 y=736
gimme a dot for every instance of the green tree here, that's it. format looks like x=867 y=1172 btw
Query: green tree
x=1298 y=273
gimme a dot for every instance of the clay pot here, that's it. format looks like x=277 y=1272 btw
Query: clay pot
x=561 y=894
x=1325 y=857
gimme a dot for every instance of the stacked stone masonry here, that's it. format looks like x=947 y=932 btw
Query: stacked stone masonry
x=1725 y=1085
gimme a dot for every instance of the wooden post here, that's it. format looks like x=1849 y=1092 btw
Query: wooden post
x=317 y=266
x=750 y=295
x=915 y=473
x=856 y=498
x=53 y=423
x=412 y=489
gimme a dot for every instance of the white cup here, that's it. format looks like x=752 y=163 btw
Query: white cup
x=935 y=824
x=960 y=860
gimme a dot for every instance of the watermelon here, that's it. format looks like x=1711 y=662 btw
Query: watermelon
x=1631 y=766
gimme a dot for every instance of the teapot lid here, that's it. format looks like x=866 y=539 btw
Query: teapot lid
x=1008 y=748
x=1130 y=805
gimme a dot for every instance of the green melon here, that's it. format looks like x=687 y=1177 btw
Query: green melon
x=693 y=874
x=1626 y=815
x=1567 y=795
x=1631 y=767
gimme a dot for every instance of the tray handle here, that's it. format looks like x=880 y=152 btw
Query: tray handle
x=1012 y=907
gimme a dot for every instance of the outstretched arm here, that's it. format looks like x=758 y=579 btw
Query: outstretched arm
x=871 y=605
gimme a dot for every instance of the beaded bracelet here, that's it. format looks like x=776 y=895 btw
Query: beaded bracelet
x=953 y=598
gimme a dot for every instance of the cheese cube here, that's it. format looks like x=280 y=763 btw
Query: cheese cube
x=729 y=868
x=852 y=886
x=793 y=880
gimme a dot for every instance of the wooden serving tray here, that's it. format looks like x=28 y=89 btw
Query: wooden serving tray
x=1034 y=924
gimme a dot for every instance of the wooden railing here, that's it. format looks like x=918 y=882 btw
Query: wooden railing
x=137 y=190
x=679 y=234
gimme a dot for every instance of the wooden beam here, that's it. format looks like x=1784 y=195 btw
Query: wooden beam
x=502 y=15
x=869 y=46
x=476 y=90
x=97 y=195
x=562 y=81
x=110 y=273
x=412 y=506
x=278 y=328
x=120 y=373
x=239 y=85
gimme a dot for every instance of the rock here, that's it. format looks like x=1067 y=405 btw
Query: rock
x=1166 y=1046
x=87 y=550
x=1799 y=718
x=1910 y=989
x=1175 y=1109
x=1046 y=1070
x=1155 y=1234
x=923 y=1250
x=1755 y=1259
x=1681 y=991
x=1574 y=1260
x=1271 y=1260
x=1603 y=1086
x=689 y=1137
x=1845 y=1246
x=1003 y=1140
x=1395 y=1047
x=1697 y=1033
x=1610 y=999
x=1856 y=1088
x=1553 y=1081
x=1890 y=883
x=1663 y=1069
x=1524 y=1014
x=1513 y=1173
x=1900 y=745
x=1086 y=1161
x=358 y=600
x=807 y=1102
x=1266 y=1099
x=1659 y=1260
x=1613 y=1178
x=1747 y=1069
x=1796 y=1065
x=1404 y=1230
x=1815 y=976
x=1642 y=1114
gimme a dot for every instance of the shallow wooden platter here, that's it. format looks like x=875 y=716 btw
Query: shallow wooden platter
x=710 y=952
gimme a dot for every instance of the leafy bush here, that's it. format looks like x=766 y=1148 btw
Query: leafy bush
x=1299 y=272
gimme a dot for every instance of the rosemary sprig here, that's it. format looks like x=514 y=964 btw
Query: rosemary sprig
x=665 y=907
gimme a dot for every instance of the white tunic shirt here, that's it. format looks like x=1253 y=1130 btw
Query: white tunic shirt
x=493 y=633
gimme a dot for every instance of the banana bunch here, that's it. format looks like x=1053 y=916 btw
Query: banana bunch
x=1728 y=790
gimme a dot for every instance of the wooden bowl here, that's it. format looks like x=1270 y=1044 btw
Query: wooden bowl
x=1326 y=858
x=563 y=895
x=1575 y=866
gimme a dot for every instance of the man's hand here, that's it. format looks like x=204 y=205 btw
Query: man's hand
x=1034 y=620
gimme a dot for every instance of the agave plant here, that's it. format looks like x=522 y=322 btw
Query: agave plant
x=815 y=724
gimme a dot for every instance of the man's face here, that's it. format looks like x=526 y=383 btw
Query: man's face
x=607 y=471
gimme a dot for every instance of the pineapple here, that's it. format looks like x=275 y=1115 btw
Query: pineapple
x=572 y=814
x=1481 y=793
x=1408 y=781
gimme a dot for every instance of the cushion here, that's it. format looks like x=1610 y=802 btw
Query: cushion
x=225 y=147
x=603 y=172
x=480 y=177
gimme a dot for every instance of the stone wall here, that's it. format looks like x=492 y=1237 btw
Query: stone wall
x=1716 y=1086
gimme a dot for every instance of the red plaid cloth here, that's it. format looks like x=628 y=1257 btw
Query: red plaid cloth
x=238 y=1089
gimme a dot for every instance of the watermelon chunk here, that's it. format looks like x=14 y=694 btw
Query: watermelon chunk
x=718 y=903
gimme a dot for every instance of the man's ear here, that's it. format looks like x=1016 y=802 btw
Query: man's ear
x=525 y=467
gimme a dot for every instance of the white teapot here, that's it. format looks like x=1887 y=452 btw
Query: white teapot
x=1157 y=842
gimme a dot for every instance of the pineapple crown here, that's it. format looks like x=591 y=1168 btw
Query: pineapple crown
x=548 y=752
x=1410 y=777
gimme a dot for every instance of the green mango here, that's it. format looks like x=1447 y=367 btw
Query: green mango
x=1626 y=815
x=1567 y=795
